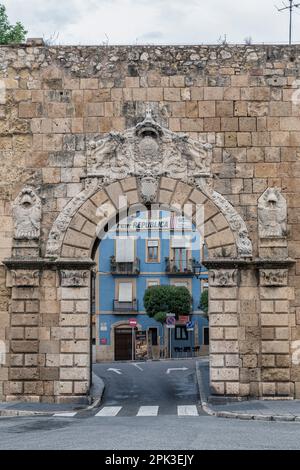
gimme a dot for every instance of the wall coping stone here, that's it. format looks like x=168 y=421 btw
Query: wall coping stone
x=45 y=263
x=247 y=263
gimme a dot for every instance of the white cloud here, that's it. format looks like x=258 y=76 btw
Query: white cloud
x=153 y=21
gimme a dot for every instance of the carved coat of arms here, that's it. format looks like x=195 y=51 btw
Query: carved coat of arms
x=148 y=149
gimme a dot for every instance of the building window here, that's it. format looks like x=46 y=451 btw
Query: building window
x=204 y=285
x=181 y=333
x=125 y=292
x=182 y=283
x=153 y=252
x=125 y=250
x=180 y=253
x=152 y=282
x=206 y=335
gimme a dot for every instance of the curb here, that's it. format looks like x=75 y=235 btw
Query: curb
x=96 y=401
x=233 y=415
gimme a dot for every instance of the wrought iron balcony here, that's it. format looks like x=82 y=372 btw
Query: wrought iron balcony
x=125 y=307
x=182 y=267
x=126 y=268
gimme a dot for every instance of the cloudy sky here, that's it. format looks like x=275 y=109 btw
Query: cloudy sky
x=153 y=21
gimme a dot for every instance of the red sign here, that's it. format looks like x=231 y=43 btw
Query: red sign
x=103 y=341
x=132 y=322
x=184 y=319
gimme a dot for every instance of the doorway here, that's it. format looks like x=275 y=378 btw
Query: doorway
x=123 y=344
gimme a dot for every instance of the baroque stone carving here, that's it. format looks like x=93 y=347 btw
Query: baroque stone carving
x=62 y=222
x=74 y=278
x=27 y=213
x=148 y=188
x=148 y=148
x=272 y=214
x=25 y=278
x=235 y=221
x=223 y=277
x=273 y=277
x=148 y=151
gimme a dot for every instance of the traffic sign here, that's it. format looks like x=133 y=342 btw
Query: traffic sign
x=190 y=326
x=133 y=322
x=170 y=321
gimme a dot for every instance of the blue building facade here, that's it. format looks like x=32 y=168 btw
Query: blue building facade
x=148 y=250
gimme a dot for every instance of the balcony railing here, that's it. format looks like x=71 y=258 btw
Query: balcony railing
x=181 y=267
x=126 y=268
x=125 y=306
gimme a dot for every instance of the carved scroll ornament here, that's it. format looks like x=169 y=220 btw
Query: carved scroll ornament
x=273 y=277
x=223 y=278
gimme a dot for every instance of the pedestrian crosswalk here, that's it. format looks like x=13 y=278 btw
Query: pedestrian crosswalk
x=148 y=411
x=109 y=411
x=190 y=410
x=138 y=411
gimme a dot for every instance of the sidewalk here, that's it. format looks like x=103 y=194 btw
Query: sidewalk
x=11 y=409
x=264 y=410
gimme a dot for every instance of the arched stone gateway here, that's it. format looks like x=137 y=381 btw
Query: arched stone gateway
x=149 y=164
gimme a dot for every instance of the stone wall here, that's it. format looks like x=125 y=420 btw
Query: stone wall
x=241 y=99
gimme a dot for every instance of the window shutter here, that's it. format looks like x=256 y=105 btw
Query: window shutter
x=125 y=292
x=125 y=250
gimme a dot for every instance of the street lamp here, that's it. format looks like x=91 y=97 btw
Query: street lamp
x=197 y=269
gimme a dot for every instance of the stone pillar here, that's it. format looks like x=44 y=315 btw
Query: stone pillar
x=5 y=295
x=223 y=320
x=49 y=332
x=277 y=295
x=24 y=277
x=249 y=332
x=276 y=332
x=75 y=324
x=24 y=374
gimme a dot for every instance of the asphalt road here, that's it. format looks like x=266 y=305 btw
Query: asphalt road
x=128 y=391
x=164 y=384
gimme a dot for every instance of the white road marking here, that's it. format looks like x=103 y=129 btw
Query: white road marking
x=117 y=371
x=187 y=410
x=65 y=415
x=109 y=411
x=137 y=366
x=148 y=411
x=178 y=368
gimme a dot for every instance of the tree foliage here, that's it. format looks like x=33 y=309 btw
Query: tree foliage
x=160 y=317
x=204 y=301
x=167 y=299
x=10 y=34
